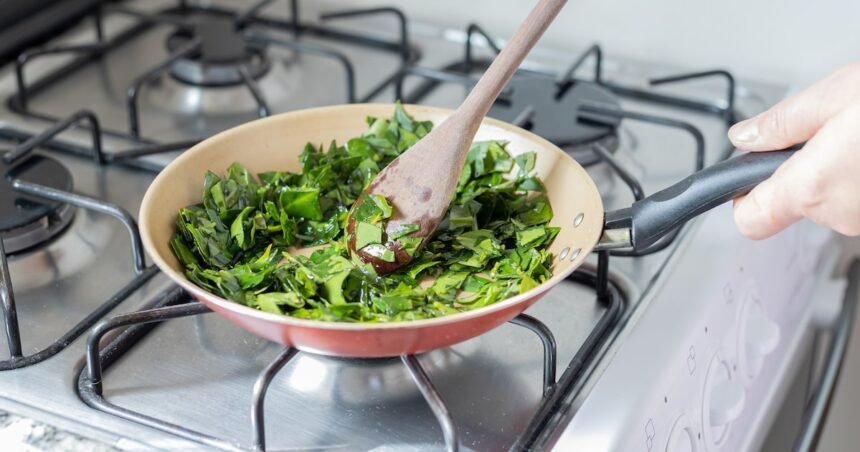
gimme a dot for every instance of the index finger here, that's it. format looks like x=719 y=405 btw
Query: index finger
x=798 y=117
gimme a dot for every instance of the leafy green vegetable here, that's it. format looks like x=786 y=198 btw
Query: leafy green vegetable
x=528 y=237
x=404 y=229
x=367 y=234
x=374 y=210
x=272 y=301
x=410 y=244
x=302 y=202
x=491 y=245
x=379 y=251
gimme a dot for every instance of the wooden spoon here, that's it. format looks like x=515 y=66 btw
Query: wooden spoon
x=420 y=183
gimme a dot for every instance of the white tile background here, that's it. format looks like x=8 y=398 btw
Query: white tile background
x=793 y=41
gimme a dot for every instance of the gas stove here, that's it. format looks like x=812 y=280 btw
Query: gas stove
x=636 y=351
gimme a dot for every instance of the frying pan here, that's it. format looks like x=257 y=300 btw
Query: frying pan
x=274 y=143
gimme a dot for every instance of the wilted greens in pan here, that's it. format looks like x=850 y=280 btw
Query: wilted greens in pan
x=491 y=246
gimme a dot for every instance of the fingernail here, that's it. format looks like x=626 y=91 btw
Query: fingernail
x=744 y=132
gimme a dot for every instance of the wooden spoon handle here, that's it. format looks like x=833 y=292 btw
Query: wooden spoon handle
x=479 y=101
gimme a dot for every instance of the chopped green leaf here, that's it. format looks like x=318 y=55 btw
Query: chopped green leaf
x=403 y=229
x=447 y=284
x=475 y=283
x=367 y=234
x=528 y=237
x=392 y=304
x=379 y=251
x=334 y=287
x=410 y=244
x=382 y=204
x=302 y=202
x=402 y=118
x=417 y=268
x=361 y=148
x=526 y=162
x=271 y=301
x=527 y=284
x=537 y=211
x=464 y=216
x=373 y=209
x=182 y=251
x=237 y=229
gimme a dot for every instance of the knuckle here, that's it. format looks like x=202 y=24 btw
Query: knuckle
x=844 y=219
x=843 y=223
x=841 y=136
x=764 y=213
x=849 y=229
x=759 y=202
x=836 y=92
x=813 y=188
x=774 y=125
x=851 y=70
x=803 y=183
x=845 y=74
x=852 y=113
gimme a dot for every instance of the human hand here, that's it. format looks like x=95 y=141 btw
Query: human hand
x=821 y=181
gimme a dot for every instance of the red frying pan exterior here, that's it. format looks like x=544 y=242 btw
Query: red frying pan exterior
x=275 y=143
x=371 y=341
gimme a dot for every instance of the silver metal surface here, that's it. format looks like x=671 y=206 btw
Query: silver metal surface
x=200 y=372
x=614 y=238
x=57 y=285
x=171 y=110
x=676 y=306
x=38 y=231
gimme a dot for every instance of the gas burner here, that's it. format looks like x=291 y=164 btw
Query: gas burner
x=279 y=86
x=543 y=106
x=222 y=52
x=583 y=153
x=27 y=221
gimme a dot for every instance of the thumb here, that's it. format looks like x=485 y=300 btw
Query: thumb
x=798 y=117
x=789 y=122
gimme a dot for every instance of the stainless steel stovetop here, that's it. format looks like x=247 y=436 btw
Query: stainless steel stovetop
x=199 y=372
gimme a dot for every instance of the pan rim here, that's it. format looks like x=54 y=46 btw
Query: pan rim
x=210 y=298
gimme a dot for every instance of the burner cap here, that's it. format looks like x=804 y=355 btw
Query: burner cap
x=222 y=52
x=554 y=108
x=27 y=220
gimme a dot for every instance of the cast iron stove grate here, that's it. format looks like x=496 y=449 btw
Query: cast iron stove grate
x=43 y=181
x=175 y=303
x=211 y=47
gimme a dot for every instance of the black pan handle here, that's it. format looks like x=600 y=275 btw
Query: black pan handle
x=656 y=215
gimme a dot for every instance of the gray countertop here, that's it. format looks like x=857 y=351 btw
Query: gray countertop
x=20 y=433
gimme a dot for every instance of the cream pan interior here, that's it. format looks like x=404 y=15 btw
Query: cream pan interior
x=274 y=143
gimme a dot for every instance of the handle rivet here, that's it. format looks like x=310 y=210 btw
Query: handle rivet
x=563 y=253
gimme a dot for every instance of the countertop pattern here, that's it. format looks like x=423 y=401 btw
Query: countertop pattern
x=21 y=434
